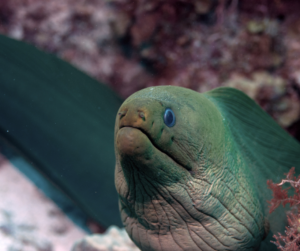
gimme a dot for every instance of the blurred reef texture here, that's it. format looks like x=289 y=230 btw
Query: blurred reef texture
x=131 y=44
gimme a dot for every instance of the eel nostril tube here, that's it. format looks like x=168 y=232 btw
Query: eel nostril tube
x=142 y=116
x=122 y=114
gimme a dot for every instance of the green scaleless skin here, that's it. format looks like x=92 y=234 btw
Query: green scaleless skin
x=201 y=184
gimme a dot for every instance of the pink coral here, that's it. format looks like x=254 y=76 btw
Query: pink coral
x=291 y=240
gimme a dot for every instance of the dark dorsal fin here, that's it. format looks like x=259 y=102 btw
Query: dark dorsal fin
x=63 y=121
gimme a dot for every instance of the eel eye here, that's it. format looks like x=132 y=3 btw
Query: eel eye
x=169 y=117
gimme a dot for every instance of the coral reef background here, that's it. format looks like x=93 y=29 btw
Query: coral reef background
x=200 y=44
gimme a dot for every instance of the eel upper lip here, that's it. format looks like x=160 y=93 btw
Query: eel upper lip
x=142 y=130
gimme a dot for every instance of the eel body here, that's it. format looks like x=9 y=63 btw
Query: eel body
x=191 y=170
x=62 y=121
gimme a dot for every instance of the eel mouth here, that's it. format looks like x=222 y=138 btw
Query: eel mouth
x=142 y=131
x=134 y=141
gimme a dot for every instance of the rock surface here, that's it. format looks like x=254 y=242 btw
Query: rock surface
x=114 y=239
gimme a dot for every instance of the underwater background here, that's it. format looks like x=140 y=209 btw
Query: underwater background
x=128 y=45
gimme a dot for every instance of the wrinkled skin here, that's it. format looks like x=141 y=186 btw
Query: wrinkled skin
x=185 y=187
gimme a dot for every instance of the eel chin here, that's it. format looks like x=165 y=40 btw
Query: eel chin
x=164 y=208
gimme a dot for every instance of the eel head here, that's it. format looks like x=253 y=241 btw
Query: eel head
x=181 y=184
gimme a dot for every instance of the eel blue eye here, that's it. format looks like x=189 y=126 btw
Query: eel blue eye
x=169 y=117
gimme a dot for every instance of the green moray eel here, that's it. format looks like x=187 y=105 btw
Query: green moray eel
x=191 y=170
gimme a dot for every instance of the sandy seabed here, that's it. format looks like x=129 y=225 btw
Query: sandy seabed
x=28 y=220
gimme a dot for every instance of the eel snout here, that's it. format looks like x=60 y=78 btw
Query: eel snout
x=135 y=114
x=135 y=132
